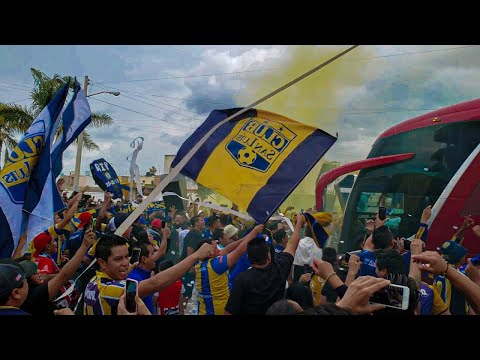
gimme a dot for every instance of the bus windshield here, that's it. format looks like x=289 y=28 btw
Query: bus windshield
x=407 y=187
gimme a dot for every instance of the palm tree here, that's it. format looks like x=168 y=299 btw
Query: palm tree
x=7 y=132
x=17 y=119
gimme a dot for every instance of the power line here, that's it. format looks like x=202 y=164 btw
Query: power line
x=23 y=86
x=149 y=131
x=168 y=97
x=15 y=101
x=138 y=122
x=186 y=76
x=129 y=97
x=208 y=102
x=419 y=52
x=12 y=89
x=154 y=117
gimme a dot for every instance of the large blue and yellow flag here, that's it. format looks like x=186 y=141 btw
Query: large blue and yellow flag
x=256 y=160
x=15 y=176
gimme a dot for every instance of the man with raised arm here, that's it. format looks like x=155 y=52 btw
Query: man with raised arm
x=256 y=289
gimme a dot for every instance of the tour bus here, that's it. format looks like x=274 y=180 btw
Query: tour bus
x=432 y=159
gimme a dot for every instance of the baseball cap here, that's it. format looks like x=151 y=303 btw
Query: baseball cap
x=29 y=267
x=157 y=223
x=11 y=277
x=452 y=251
x=41 y=241
x=230 y=231
x=84 y=218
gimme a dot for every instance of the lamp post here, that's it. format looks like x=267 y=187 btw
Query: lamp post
x=78 y=160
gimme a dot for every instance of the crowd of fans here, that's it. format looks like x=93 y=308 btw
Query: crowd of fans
x=208 y=262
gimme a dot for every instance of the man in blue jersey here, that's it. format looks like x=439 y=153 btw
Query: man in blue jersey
x=213 y=222
x=381 y=238
x=212 y=274
x=148 y=258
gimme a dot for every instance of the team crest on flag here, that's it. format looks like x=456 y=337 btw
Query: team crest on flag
x=267 y=155
x=19 y=164
x=259 y=142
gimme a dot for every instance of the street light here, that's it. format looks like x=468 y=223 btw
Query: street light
x=78 y=160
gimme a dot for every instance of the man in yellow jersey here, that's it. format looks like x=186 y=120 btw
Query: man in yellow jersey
x=103 y=292
x=212 y=274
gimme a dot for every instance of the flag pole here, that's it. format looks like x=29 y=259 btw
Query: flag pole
x=176 y=170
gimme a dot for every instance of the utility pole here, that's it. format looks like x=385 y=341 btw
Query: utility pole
x=78 y=161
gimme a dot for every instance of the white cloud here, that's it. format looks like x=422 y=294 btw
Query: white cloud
x=392 y=89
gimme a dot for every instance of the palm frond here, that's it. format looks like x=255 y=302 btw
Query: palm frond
x=18 y=118
x=88 y=143
x=9 y=141
x=101 y=119
x=38 y=76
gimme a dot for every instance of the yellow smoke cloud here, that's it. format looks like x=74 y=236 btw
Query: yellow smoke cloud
x=315 y=100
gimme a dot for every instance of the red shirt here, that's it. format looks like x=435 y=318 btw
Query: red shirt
x=46 y=265
x=168 y=299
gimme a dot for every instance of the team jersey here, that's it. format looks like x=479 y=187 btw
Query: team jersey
x=55 y=232
x=451 y=296
x=369 y=263
x=102 y=295
x=279 y=248
x=430 y=301
x=212 y=285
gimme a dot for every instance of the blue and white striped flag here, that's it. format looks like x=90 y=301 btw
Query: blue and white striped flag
x=76 y=117
x=43 y=198
x=20 y=165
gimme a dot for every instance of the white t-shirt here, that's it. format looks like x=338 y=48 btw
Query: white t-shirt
x=306 y=251
x=181 y=237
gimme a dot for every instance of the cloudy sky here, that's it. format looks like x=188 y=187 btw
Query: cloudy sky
x=167 y=90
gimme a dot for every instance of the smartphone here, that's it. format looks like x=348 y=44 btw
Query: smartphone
x=382 y=213
x=394 y=296
x=135 y=255
x=163 y=223
x=88 y=226
x=307 y=269
x=348 y=254
x=406 y=244
x=131 y=290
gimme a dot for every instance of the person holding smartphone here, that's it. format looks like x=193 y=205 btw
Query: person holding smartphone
x=103 y=292
x=141 y=308
x=146 y=263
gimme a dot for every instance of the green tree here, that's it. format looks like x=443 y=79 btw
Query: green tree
x=17 y=119
x=7 y=132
